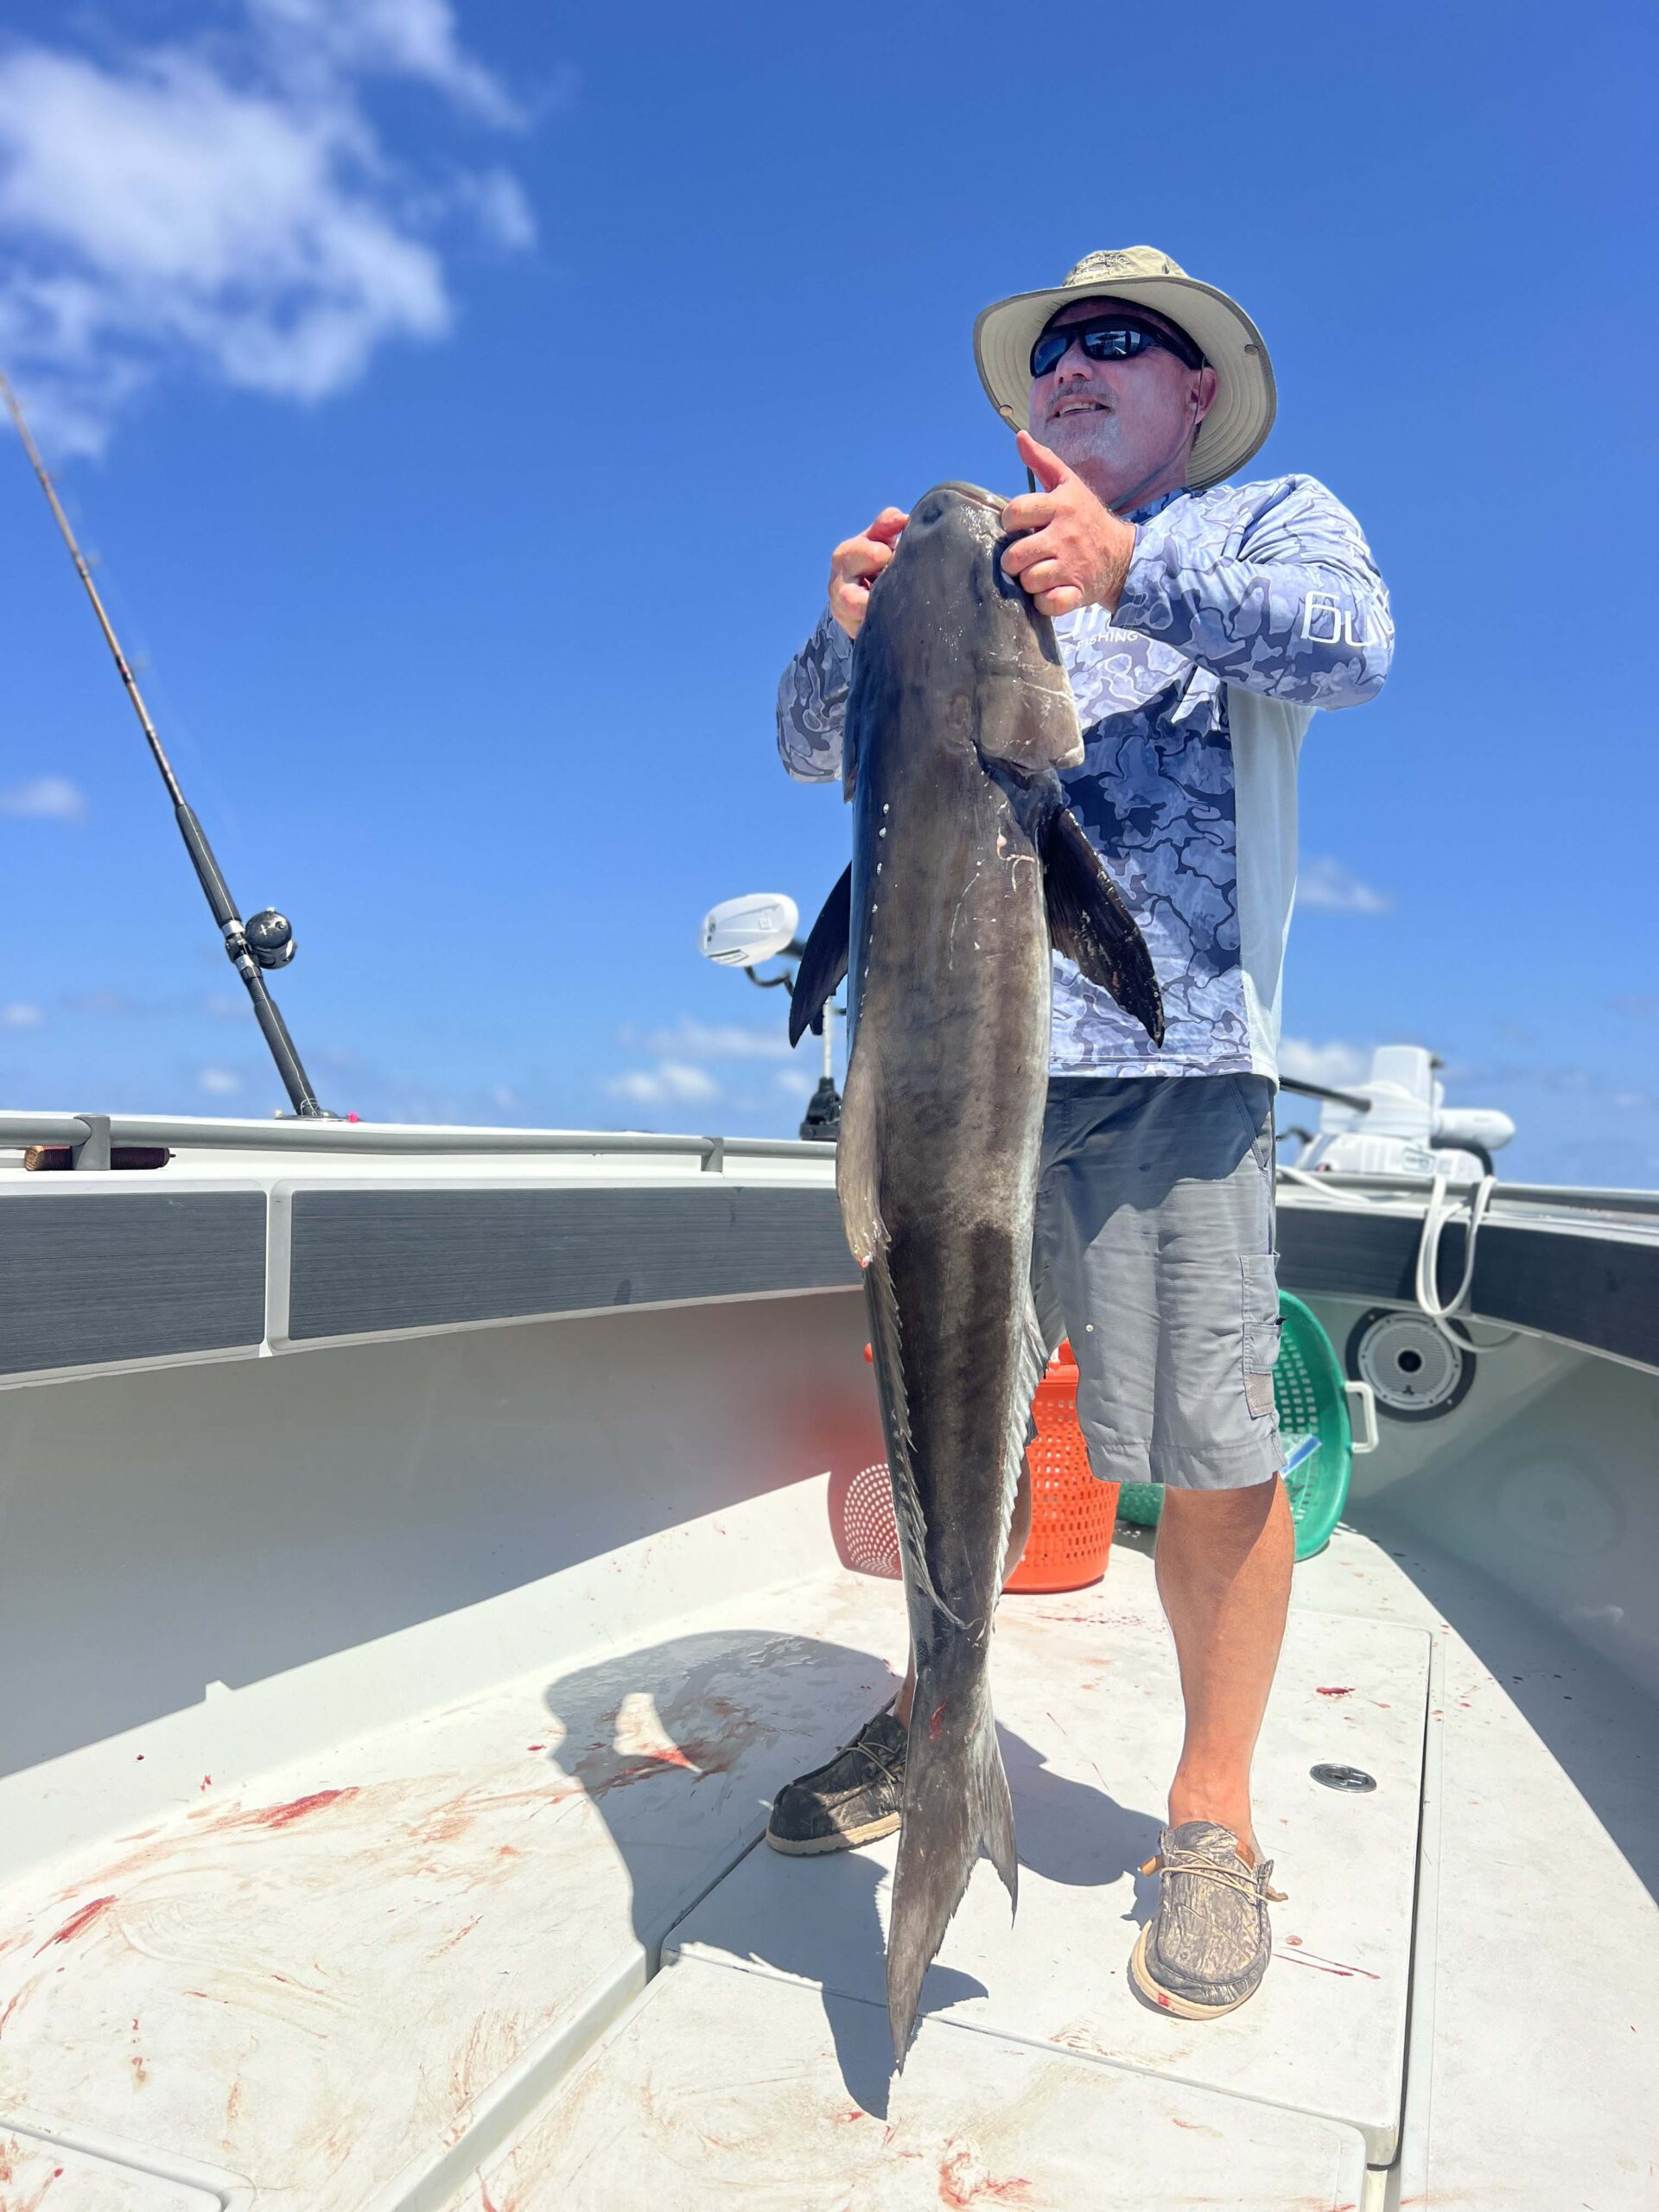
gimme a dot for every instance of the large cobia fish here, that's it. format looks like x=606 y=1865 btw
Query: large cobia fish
x=967 y=865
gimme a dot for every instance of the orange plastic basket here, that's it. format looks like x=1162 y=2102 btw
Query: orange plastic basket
x=1073 y=1516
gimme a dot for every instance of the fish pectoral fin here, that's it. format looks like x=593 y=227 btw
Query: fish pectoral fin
x=824 y=963
x=1089 y=924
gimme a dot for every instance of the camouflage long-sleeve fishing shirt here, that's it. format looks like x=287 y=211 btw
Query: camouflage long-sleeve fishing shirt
x=1246 y=608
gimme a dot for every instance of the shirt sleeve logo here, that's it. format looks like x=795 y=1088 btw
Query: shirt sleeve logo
x=1326 y=622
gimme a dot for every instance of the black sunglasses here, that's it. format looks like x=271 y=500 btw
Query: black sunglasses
x=1114 y=337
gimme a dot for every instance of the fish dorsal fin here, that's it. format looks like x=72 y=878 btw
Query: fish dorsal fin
x=824 y=963
x=1089 y=924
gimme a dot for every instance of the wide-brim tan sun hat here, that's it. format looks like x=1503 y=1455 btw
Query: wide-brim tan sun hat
x=1246 y=398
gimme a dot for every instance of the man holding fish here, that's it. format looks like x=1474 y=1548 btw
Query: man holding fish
x=1198 y=625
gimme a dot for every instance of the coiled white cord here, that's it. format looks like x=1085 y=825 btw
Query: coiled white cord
x=1441 y=1312
x=1440 y=1210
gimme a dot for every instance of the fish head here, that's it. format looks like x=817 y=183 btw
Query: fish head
x=1001 y=665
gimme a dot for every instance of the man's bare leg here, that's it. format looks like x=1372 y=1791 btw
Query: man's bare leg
x=1224 y=1564
x=1018 y=1536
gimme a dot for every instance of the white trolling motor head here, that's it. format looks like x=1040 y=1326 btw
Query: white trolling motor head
x=1409 y=1129
x=741 y=933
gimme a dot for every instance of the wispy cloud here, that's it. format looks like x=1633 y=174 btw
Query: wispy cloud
x=706 y=1041
x=45 y=798
x=228 y=207
x=695 y=1062
x=351 y=1082
x=668 y=1080
x=1329 y=887
x=401 y=38
x=219 y=1082
x=20 y=1014
x=1335 y=1062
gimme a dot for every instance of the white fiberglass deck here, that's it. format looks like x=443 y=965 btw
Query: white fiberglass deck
x=1089 y=1707
x=320 y=1986
x=410 y=1970
x=728 y=2086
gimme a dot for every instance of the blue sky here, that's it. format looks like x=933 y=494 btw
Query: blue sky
x=462 y=402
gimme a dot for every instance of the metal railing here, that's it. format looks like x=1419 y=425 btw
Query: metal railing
x=94 y=1135
x=1573 y=1197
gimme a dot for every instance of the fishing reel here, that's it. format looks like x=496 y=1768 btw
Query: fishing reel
x=269 y=937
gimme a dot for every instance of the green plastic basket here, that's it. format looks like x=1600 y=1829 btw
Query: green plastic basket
x=1309 y=1392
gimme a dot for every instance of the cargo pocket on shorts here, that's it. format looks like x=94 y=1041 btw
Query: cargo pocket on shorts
x=1260 y=1329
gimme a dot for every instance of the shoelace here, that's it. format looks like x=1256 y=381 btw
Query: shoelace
x=1235 y=1876
x=878 y=1758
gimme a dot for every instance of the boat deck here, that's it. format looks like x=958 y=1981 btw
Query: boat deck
x=419 y=1969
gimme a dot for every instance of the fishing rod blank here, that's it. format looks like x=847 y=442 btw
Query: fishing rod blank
x=266 y=940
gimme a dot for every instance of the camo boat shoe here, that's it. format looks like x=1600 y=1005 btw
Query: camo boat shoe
x=1206 y=1948
x=856 y=1797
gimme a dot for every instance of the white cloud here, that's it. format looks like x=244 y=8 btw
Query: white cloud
x=1335 y=1063
x=795 y=1082
x=668 y=1079
x=20 y=1014
x=497 y=203
x=229 y=208
x=47 y=798
x=219 y=1082
x=704 y=1041
x=1326 y=885
x=398 y=38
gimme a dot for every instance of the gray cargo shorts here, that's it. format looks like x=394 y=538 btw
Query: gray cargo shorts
x=1155 y=1255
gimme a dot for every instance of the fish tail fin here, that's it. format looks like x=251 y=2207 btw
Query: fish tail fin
x=957 y=1804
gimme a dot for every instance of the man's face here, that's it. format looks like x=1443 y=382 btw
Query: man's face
x=1121 y=424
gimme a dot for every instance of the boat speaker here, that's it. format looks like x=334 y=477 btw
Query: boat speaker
x=1416 y=1373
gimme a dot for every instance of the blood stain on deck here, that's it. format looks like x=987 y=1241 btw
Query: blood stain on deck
x=1326 y=1966
x=283 y=1816
x=78 y=1920
x=961 y=2188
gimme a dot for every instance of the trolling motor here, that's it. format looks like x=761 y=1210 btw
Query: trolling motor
x=266 y=940
x=1397 y=1122
x=741 y=933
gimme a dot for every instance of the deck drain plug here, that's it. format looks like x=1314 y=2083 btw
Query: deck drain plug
x=1343 y=1777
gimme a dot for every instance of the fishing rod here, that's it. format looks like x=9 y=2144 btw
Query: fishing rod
x=266 y=939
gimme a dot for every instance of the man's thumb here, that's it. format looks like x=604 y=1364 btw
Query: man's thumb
x=1047 y=468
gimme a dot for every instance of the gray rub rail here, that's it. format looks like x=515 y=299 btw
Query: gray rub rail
x=18 y=1128
x=98 y=1131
